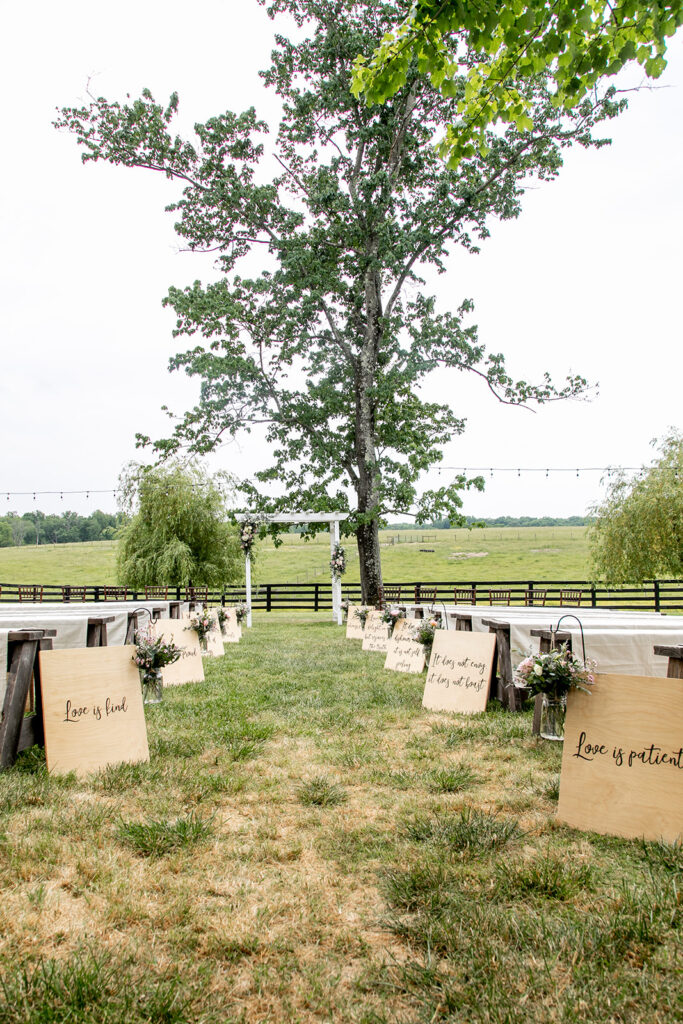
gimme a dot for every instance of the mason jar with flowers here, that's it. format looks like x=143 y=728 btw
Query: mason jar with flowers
x=391 y=616
x=202 y=624
x=425 y=635
x=151 y=655
x=554 y=674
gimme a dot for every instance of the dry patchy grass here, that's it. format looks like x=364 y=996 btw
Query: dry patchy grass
x=308 y=844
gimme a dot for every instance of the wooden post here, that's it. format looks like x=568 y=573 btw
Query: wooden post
x=247 y=573
x=336 y=580
x=658 y=605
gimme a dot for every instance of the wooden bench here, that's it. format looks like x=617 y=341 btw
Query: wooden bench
x=19 y=731
x=675 y=656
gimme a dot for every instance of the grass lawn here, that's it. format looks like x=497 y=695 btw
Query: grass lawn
x=526 y=553
x=308 y=844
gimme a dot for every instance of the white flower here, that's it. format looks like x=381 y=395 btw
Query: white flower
x=538 y=670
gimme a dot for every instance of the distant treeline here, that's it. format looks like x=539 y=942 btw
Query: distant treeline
x=443 y=524
x=68 y=528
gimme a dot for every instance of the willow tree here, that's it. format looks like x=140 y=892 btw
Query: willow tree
x=329 y=344
x=177 y=531
x=638 y=531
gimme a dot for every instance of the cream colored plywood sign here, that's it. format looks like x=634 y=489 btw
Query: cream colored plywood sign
x=459 y=673
x=232 y=630
x=405 y=652
x=622 y=762
x=92 y=709
x=214 y=640
x=189 y=668
x=354 y=627
x=376 y=633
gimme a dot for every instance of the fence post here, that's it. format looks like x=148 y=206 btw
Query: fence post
x=658 y=606
x=418 y=595
x=316 y=599
x=177 y=593
x=269 y=598
x=594 y=596
x=530 y=588
x=67 y=594
x=97 y=593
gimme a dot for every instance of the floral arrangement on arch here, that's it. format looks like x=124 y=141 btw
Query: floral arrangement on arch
x=338 y=561
x=391 y=617
x=248 y=532
x=555 y=673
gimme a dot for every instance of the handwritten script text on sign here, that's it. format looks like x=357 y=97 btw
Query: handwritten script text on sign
x=459 y=673
x=405 y=652
x=376 y=633
x=622 y=762
x=92 y=709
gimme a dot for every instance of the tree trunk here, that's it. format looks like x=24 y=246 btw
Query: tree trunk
x=367 y=536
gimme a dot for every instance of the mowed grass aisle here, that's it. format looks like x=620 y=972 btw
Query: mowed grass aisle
x=308 y=844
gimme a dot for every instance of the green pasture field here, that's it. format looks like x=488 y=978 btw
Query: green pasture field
x=309 y=845
x=525 y=553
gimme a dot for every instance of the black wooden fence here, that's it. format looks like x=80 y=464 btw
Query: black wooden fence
x=655 y=595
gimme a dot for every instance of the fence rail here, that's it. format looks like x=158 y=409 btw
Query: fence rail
x=654 y=595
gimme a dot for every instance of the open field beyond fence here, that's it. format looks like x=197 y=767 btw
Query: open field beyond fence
x=551 y=552
x=308 y=844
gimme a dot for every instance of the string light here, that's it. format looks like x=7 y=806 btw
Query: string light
x=545 y=469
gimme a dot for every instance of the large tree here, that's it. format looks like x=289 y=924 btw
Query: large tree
x=500 y=46
x=329 y=344
x=638 y=532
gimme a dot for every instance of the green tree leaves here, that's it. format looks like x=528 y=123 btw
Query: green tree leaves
x=499 y=50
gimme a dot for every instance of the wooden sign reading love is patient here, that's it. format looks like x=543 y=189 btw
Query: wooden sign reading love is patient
x=405 y=652
x=92 y=709
x=622 y=760
x=376 y=633
x=354 y=626
x=460 y=668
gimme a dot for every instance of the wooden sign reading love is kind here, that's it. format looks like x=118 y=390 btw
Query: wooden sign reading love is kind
x=92 y=709
x=459 y=676
x=622 y=760
x=405 y=652
x=376 y=633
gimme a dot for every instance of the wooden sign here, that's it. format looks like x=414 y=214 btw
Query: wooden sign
x=460 y=668
x=189 y=668
x=92 y=709
x=214 y=639
x=354 y=627
x=232 y=630
x=622 y=761
x=376 y=633
x=405 y=652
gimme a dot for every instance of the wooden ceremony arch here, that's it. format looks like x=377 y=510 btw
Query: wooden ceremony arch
x=295 y=519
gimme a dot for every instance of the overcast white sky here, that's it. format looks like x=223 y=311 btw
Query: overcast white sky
x=587 y=280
